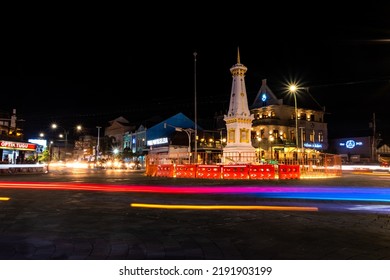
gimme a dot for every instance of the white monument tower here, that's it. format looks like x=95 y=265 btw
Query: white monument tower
x=238 y=147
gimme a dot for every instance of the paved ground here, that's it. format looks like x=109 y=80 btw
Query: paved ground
x=61 y=224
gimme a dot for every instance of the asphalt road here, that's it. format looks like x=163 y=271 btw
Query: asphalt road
x=79 y=224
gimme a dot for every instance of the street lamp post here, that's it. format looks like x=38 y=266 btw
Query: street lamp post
x=195 y=114
x=189 y=141
x=293 y=89
x=188 y=132
x=50 y=151
x=271 y=139
x=98 y=143
x=66 y=132
x=301 y=136
x=258 y=138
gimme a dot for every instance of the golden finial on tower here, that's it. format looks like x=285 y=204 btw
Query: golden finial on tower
x=238 y=55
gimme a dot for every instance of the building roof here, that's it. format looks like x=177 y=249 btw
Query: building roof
x=120 y=120
x=160 y=130
x=266 y=97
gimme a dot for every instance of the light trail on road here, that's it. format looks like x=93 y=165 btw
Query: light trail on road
x=350 y=193
x=223 y=207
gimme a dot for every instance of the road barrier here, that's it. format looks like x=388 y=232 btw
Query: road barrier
x=235 y=171
x=185 y=171
x=165 y=170
x=289 y=171
x=321 y=167
x=209 y=171
x=263 y=171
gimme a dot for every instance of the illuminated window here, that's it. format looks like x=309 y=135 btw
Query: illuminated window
x=292 y=135
x=312 y=136
x=320 y=136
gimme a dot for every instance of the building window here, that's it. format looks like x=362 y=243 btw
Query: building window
x=312 y=136
x=275 y=133
x=292 y=135
x=320 y=136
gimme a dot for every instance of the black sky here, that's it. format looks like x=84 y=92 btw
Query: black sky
x=91 y=64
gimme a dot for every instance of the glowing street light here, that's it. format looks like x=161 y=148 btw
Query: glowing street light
x=293 y=90
x=66 y=132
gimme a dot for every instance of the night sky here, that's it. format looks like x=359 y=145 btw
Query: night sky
x=92 y=64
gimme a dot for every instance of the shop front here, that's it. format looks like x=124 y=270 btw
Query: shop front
x=17 y=152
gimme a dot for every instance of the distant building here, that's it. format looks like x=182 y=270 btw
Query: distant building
x=116 y=130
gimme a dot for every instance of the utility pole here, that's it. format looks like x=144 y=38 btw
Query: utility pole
x=195 y=115
x=373 y=147
x=98 y=142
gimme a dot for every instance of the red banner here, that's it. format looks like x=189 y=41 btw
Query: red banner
x=17 y=145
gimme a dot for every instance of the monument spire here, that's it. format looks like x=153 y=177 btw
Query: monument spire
x=239 y=147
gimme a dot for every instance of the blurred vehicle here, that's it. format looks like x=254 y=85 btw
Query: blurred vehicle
x=134 y=165
x=384 y=161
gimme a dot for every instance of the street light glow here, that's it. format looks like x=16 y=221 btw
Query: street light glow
x=293 y=88
x=65 y=134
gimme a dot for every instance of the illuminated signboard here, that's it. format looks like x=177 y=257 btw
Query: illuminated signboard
x=17 y=145
x=351 y=144
x=313 y=145
x=41 y=142
x=157 y=141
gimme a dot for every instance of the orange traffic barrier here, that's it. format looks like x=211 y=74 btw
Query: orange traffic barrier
x=235 y=172
x=185 y=171
x=289 y=171
x=262 y=171
x=209 y=171
x=165 y=170
x=151 y=170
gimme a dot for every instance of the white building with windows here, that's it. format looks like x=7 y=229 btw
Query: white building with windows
x=274 y=125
